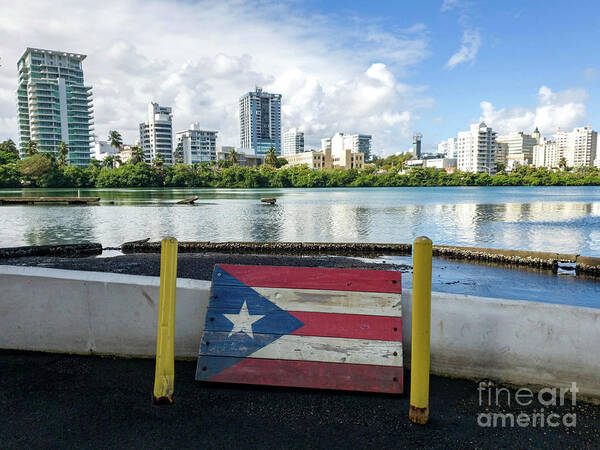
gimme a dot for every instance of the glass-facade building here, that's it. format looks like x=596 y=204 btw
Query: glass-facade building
x=53 y=104
x=260 y=121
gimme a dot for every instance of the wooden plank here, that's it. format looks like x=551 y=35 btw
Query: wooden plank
x=310 y=300
x=311 y=278
x=351 y=326
x=49 y=199
x=304 y=348
x=304 y=374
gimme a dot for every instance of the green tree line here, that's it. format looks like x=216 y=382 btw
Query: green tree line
x=47 y=170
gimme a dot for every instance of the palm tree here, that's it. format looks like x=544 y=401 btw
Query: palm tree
x=562 y=164
x=158 y=162
x=233 y=157
x=272 y=156
x=178 y=153
x=63 y=153
x=115 y=139
x=31 y=148
x=137 y=154
x=111 y=161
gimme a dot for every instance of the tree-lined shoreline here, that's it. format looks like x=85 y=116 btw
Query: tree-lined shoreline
x=46 y=170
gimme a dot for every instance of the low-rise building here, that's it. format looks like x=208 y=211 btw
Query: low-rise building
x=102 y=149
x=314 y=160
x=324 y=160
x=245 y=156
x=440 y=163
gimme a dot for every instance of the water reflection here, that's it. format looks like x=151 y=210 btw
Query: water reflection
x=565 y=219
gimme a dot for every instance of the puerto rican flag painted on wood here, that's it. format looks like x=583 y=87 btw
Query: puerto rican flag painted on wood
x=304 y=327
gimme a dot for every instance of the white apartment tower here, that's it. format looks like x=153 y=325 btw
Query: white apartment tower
x=578 y=147
x=260 y=121
x=197 y=145
x=53 y=104
x=156 y=135
x=447 y=147
x=340 y=142
x=545 y=153
x=293 y=142
x=476 y=149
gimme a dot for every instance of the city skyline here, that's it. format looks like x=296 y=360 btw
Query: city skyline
x=381 y=68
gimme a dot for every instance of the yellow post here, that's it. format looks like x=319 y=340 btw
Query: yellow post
x=164 y=375
x=421 y=324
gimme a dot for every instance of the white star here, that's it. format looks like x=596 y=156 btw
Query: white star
x=243 y=321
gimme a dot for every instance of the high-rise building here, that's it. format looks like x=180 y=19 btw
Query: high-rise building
x=197 y=145
x=545 y=153
x=520 y=148
x=578 y=147
x=356 y=143
x=260 y=121
x=417 y=137
x=53 y=103
x=293 y=142
x=156 y=135
x=447 y=147
x=476 y=149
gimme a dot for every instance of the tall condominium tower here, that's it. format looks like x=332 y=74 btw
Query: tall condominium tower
x=53 y=104
x=578 y=147
x=156 y=135
x=293 y=142
x=476 y=149
x=196 y=145
x=260 y=121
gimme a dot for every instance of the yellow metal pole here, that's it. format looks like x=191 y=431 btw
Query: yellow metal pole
x=164 y=375
x=421 y=325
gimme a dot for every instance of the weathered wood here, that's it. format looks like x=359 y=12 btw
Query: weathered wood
x=304 y=374
x=302 y=326
x=33 y=200
x=307 y=348
x=270 y=201
x=52 y=250
x=339 y=302
x=188 y=201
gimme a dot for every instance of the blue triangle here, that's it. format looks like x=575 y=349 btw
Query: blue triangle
x=228 y=297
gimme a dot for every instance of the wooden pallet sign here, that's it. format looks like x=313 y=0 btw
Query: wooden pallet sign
x=304 y=327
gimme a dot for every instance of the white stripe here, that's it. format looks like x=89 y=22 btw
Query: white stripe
x=328 y=349
x=341 y=302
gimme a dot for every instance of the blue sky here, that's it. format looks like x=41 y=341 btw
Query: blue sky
x=388 y=68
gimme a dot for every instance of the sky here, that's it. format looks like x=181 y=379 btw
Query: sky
x=385 y=68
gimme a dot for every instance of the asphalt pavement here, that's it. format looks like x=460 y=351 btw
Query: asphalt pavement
x=59 y=401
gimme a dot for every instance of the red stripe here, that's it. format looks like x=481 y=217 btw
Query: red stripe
x=317 y=278
x=311 y=374
x=352 y=326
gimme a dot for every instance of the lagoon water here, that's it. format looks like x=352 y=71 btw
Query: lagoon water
x=559 y=219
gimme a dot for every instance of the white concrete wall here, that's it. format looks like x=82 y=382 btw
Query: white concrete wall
x=518 y=342
x=82 y=312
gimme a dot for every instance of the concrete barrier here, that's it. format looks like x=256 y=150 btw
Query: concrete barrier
x=517 y=342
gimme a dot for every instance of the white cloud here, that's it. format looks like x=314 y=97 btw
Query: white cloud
x=471 y=41
x=448 y=5
x=564 y=109
x=199 y=57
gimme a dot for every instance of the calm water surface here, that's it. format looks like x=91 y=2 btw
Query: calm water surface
x=560 y=219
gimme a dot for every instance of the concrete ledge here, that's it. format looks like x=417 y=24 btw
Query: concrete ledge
x=517 y=342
